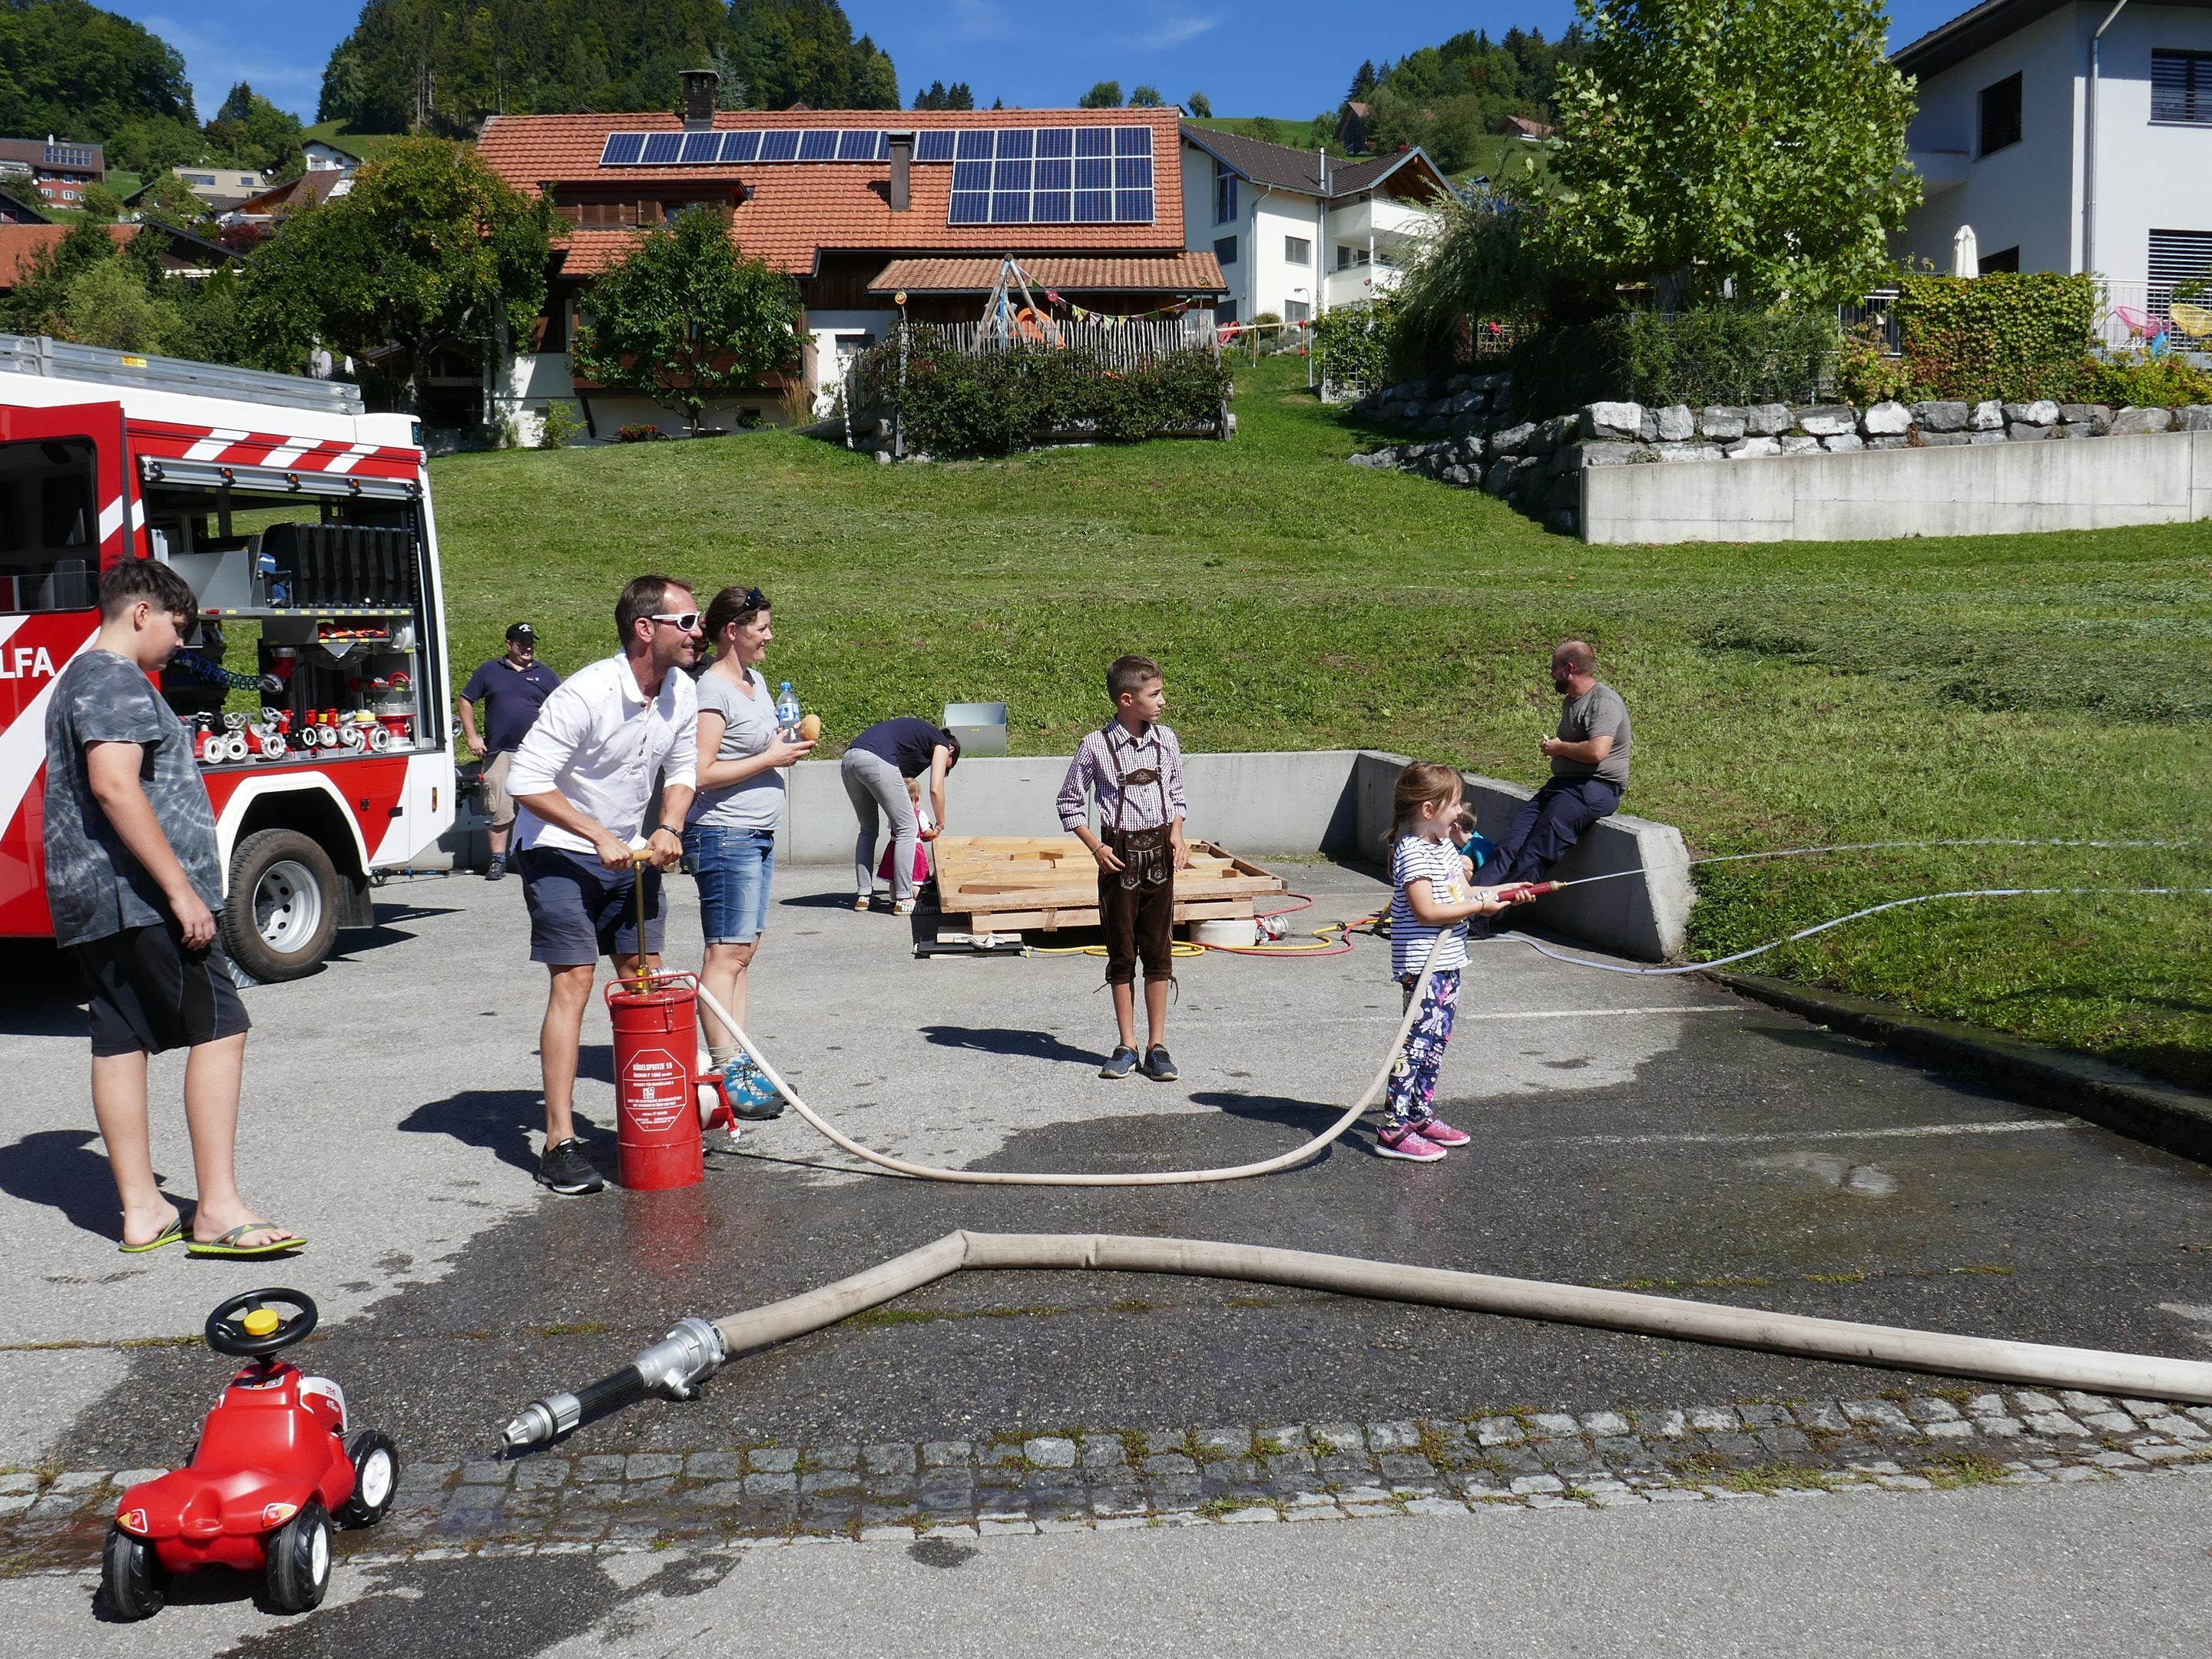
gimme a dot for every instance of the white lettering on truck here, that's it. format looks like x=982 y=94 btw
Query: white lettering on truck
x=27 y=662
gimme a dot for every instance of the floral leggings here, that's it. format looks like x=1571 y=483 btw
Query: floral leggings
x=1413 y=1075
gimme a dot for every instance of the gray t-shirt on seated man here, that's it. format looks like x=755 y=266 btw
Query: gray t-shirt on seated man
x=95 y=885
x=1598 y=713
x=748 y=727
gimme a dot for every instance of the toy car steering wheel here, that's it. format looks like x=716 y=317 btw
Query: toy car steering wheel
x=248 y=1327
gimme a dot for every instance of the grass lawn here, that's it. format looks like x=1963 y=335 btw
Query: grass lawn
x=2031 y=687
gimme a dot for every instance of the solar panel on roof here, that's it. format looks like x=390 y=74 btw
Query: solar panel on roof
x=740 y=146
x=1132 y=173
x=1017 y=141
x=856 y=146
x=1133 y=207
x=1010 y=175
x=621 y=149
x=1093 y=173
x=1009 y=207
x=974 y=145
x=1094 y=141
x=1132 y=141
x=661 y=147
x=781 y=146
x=1052 y=207
x=971 y=175
x=970 y=207
x=1055 y=141
x=702 y=148
x=1054 y=175
x=1094 y=207
x=933 y=146
x=816 y=145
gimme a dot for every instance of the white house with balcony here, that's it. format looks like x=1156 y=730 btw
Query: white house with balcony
x=1298 y=233
x=2071 y=136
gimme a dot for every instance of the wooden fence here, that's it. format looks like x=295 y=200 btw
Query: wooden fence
x=1117 y=343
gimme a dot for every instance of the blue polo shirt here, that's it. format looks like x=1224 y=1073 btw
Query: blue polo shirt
x=510 y=698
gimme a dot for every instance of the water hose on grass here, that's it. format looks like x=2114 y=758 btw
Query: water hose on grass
x=696 y=1348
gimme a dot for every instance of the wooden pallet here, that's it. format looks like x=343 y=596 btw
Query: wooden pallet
x=1021 y=884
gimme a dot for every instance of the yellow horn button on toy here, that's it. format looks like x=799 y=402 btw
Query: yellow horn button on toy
x=261 y=1322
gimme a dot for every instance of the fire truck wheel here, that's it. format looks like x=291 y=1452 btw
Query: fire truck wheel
x=282 y=913
x=132 y=1576
x=300 y=1559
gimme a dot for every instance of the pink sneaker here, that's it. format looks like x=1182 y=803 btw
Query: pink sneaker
x=1442 y=1133
x=1409 y=1144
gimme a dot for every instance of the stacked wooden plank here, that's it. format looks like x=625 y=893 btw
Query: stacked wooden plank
x=1017 y=884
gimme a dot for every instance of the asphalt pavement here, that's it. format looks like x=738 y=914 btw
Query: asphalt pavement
x=1658 y=1133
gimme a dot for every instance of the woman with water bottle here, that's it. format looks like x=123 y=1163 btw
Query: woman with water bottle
x=729 y=835
x=875 y=770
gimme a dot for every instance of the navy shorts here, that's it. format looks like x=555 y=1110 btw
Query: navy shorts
x=581 y=910
x=735 y=868
x=148 y=994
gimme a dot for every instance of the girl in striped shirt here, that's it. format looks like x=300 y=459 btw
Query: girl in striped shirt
x=1430 y=898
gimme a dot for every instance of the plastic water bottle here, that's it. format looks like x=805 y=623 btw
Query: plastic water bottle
x=787 y=712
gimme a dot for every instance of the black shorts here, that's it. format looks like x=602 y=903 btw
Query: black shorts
x=150 y=994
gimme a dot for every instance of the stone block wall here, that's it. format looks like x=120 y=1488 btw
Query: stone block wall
x=1471 y=440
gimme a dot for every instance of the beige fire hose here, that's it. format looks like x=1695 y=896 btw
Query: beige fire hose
x=696 y=1349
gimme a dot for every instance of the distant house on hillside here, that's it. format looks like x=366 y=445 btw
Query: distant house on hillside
x=1298 y=233
x=221 y=188
x=58 y=172
x=19 y=203
x=1353 y=122
x=323 y=156
x=2063 y=151
x=1521 y=127
x=259 y=212
x=859 y=207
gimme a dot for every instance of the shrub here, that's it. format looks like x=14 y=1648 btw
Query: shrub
x=994 y=404
x=559 y=426
x=1865 y=372
x=2014 y=335
x=1352 y=344
x=1711 y=355
x=2137 y=379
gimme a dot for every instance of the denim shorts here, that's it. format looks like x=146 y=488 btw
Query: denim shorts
x=734 y=868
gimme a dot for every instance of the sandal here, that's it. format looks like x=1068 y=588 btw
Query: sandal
x=168 y=1235
x=228 y=1245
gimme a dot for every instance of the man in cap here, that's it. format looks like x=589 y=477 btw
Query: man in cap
x=513 y=688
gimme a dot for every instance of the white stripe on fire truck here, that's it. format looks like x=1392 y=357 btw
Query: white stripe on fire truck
x=351 y=458
x=217 y=439
x=23 y=745
x=111 y=520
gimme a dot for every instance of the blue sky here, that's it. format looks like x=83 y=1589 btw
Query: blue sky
x=1286 y=57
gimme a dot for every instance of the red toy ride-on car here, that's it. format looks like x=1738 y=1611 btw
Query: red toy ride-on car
x=274 y=1465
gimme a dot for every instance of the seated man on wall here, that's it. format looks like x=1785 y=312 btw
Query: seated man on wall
x=1590 y=770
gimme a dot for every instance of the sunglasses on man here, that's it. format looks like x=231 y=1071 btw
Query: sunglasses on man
x=683 y=622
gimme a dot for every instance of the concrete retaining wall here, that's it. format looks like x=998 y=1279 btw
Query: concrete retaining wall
x=1982 y=489
x=1333 y=802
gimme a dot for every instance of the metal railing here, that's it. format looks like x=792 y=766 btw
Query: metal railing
x=22 y=353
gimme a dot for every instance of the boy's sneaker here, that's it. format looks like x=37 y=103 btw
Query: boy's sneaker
x=1409 y=1144
x=1123 y=1062
x=565 y=1169
x=1441 y=1134
x=902 y=907
x=496 y=870
x=1158 y=1067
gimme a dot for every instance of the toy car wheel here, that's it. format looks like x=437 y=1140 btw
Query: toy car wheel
x=300 y=1559
x=131 y=1576
x=375 y=1479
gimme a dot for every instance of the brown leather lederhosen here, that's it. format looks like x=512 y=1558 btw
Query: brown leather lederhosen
x=1137 y=907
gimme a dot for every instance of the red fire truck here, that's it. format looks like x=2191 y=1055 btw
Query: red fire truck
x=315 y=681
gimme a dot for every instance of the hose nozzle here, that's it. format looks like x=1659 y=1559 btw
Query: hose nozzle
x=673 y=1366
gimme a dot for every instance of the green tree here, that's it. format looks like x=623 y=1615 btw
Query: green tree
x=1363 y=82
x=1145 y=98
x=1200 y=106
x=72 y=70
x=792 y=52
x=249 y=131
x=102 y=204
x=686 y=318
x=1751 y=148
x=1104 y=94
x=35 y=304
x=107 y=305
x=429 y=250
x=168 y=199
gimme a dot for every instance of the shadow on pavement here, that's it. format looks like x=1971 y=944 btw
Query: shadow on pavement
x=66 y=1170
x=1309 y=1117
x=501 y=1122
x=993 y=1040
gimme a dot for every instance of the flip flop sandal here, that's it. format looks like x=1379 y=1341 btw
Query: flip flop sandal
x=228 y=1245
x=168 y=1235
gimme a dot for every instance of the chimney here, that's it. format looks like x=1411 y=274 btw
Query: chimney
x=901 y=195
x=699 y=86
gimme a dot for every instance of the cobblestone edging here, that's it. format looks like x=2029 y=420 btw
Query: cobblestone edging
x=553 y=1503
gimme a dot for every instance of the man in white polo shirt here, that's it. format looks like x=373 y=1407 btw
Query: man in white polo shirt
x=582 y=780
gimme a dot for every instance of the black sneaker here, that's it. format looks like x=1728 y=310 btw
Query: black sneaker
x=565 y=1169
x=1123 y=1062
x=496 y=870
x=1158 y=1067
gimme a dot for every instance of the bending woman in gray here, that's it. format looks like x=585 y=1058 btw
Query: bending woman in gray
x=875 y=770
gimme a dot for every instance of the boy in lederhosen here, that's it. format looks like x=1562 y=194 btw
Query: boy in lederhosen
x=1133 y=768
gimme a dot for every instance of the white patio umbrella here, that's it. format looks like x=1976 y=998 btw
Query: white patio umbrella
x=1966 y=253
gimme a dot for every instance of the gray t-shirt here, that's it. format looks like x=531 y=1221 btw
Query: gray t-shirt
x=95 y=885
x=757 y=802
x=1598 y=713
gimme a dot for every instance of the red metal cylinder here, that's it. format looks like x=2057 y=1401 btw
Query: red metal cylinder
x=656 y=1047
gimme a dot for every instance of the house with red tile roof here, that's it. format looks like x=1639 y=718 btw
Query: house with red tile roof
x=871 y=212
x=187 y=255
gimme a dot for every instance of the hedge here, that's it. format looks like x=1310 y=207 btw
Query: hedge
x=1711 y=354
x=2014 y=335
x=1351 y=344
x=955 y=403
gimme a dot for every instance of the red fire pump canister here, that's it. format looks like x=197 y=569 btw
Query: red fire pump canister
x=656 y=1046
